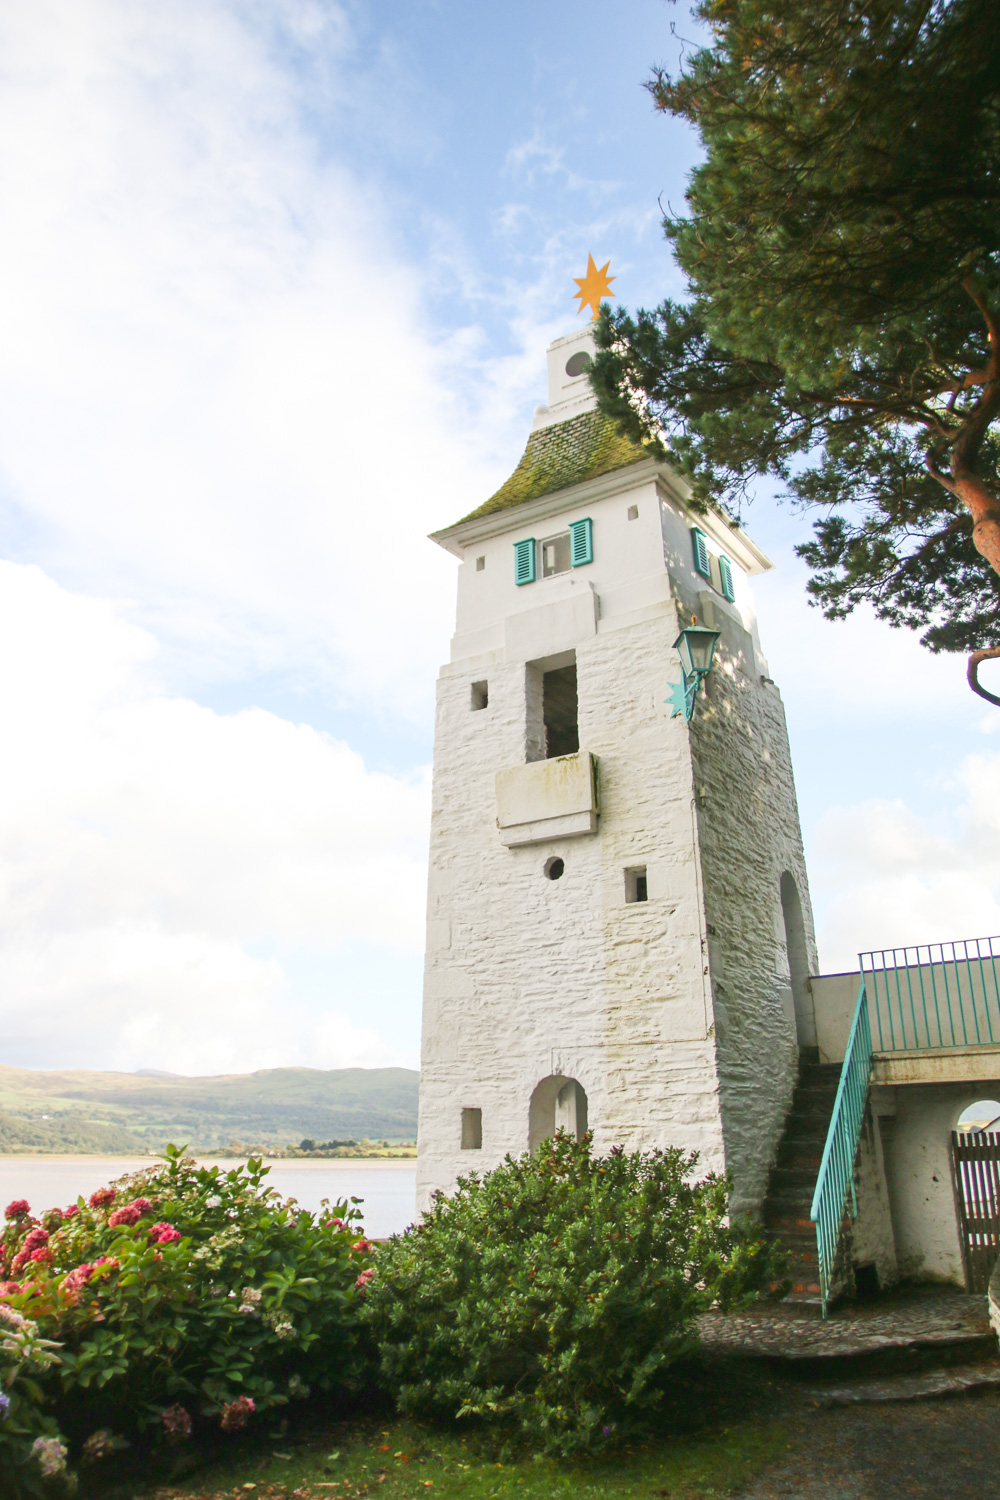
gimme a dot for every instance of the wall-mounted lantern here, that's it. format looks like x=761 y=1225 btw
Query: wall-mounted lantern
x=696 y=647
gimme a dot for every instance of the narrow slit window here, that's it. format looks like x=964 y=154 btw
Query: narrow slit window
x=472 y=1130
x=480 y=564
x=633 y=512
x=480 y=695
x=636 y=888
x=559 y=712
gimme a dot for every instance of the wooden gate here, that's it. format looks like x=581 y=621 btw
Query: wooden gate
x=976 y=1164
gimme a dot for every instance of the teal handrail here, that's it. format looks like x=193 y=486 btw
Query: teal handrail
x=836 y=1171
x=934 y=996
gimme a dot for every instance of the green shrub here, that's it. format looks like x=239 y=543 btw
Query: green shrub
x=182 y=1295
x=554 y=1293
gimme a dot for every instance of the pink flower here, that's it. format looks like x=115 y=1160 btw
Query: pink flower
x=142 y=1204
x=19 y=1209
x=361 y=1246
x=9 y=1288
x=71 y=1210
x=335 y=1224
x=163 y=1234
x=109 y=1262
x=176 y=1424
x=42 y=1257
x=101 y=1197
x=237 y=1413
x=20 y=1261
x=364 y=1279
x=77 y=1278
x=128 y=1214
x=34 y=1239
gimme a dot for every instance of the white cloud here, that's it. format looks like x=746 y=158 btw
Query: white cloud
x=218 y=395
x=883 y=877
x=148 y=845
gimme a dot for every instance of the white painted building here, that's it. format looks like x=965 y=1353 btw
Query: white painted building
x=619 y=933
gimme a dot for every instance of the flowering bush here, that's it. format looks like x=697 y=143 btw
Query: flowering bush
x=554 y=1293
x=179 y=1296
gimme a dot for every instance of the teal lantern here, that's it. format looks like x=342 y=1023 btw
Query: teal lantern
x=696 y=648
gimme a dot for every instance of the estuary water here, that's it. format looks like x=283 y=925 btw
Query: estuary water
x=387 y=1188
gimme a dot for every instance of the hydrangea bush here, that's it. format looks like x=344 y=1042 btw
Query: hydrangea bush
x=180 y=1296
x=553 y=1294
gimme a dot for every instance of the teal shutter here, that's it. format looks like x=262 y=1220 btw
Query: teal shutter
x=524 y=561
x=700 y=543
x=581 y=538
x=726 y=578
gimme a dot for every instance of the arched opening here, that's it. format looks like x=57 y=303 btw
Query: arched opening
x=798 y=962
x=557 y=1103
x=975 y=1155
x=980 y=1117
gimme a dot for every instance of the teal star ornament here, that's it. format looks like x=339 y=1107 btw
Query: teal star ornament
x=680 y=698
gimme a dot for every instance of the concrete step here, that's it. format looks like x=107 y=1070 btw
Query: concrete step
x=947 y=1381
x=792 y=1179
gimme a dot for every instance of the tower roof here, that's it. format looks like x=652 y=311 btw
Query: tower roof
x=568 y=452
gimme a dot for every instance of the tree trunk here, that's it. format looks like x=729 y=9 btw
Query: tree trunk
x=973 y=673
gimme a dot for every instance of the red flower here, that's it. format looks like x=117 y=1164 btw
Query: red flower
x=237 y=1413
x=42 y=1257
x=9 y=1288
x=127 y=1214
x=77 y=1278
x=19 y=1209
x=364 y=1279
x=101 y=1197
x=163 y=1234
x=176 y=1424
x=142 y=1204
x=34 y=1239
x=361 y=1246
x=110 y=1262
x=71 y=1210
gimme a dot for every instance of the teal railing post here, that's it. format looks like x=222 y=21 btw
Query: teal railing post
x=836 y=1171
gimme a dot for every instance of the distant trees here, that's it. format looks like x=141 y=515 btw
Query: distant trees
x=842 y=329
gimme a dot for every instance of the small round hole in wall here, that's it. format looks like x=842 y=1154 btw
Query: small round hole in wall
x=577 y=364
x=554 y=867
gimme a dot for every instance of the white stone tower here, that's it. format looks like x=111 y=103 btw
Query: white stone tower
x=619 y=933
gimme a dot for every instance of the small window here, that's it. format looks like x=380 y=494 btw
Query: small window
x=635 y=884
x=556 y=555
x=633 y=512
x=578 y=364
x=480 y=564
x=699 y=543
x=480 y=695
x=524 y=561
x=726 y=578
x=472 y=1130
x=560 y=712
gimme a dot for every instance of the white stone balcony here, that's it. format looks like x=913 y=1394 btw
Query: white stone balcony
x=547 y=799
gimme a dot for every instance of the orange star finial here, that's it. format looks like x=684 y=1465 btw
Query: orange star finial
x=595 y=285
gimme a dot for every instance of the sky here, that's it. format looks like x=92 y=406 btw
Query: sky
x=276 y=282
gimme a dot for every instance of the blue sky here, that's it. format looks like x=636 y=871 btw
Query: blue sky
x=275 y=288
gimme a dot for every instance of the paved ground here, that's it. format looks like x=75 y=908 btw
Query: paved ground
x=860 y=1328
x=947 y=1449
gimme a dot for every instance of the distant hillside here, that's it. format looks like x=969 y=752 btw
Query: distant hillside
x=129 y=1112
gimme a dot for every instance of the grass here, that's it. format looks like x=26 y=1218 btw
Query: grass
x=400 y=1460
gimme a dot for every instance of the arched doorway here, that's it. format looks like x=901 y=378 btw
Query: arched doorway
x=557 y=1103
x=798 y=962
x=975 y=1154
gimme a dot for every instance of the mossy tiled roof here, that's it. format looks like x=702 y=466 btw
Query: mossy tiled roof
x=567 y=453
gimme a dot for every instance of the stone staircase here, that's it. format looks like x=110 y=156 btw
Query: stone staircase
x=785 y=1211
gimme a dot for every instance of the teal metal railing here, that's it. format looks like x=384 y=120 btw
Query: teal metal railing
x=934 y=996
x=836 y=1171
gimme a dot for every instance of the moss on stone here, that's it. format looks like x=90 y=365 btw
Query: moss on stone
x=556 y=457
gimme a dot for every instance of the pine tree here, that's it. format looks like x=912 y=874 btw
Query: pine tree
x=842 y=329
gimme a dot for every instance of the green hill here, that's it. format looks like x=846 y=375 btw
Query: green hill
x=120 y=1113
